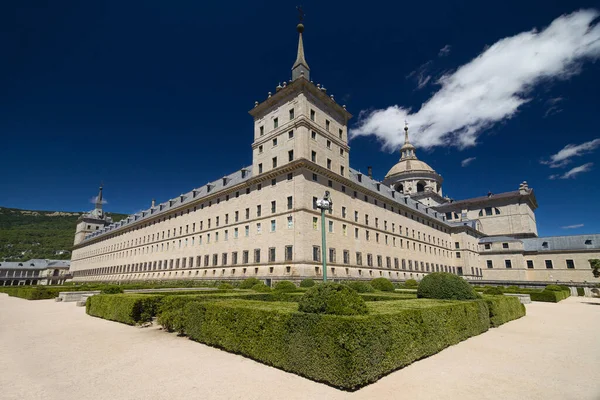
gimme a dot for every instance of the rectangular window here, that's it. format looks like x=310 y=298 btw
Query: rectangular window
x=274 y=162
x=327 y=125
x=312 y=115
x=505 y=245
x=290 y=134
x=340 y=132
x=245 y=256
x=224 y=258
x=235 y=233
x=456 y=245
x=330 y=226
x=291 y=155
x=258 y=210
x=290 y=222
x=529 y=263
x=313 y=156
x=315 y=223
x=329 y=144
x=262 y=130
x=549 y=264
x=260 y=168
x=316 y=253
x=273 y=225
x=313 y=135
x=247 y=213
x=215 y=259
x=457 y=254
x=507 y=263
x=292 y=113
x=234 y=259
x=247 y=230
x=258 y=228
x=315 y=178
x=346 y=257
x=260 y=149
x=257 y=255
x=331 y=255
x=570 y=264
x=288 y=253
x=370 y=260
x=289 y=202
x=342 y=170
x=358 y=258
x=328 y=163
x=275 y=123
x=272 y=254
x=344 y=230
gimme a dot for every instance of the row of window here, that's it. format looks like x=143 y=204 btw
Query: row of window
x=548 y=263
x=292 y=115
x=19 y=273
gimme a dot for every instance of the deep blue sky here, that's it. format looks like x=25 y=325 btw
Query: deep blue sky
x=152 y=97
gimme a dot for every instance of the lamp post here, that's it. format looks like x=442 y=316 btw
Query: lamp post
x=324 y=204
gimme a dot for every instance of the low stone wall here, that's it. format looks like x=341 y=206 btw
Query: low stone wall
x=75 y=296
x=523 y=298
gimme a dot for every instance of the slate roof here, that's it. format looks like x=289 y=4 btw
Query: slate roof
x=35 y=264
x=553 y=243
x=482 y=199
x=163 y=208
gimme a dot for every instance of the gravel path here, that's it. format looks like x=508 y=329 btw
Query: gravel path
x=52 y=350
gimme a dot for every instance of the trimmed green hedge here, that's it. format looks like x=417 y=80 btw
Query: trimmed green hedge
x=129 y=309
x=332 y=298
x=383 y=284
x=307 y=283
x=580 y=291
x=387 y=296
x=33 y=292
x=443 y=285
x=344 y=351
x=549 y=296
x=360 y=287
x=504 y=309
x=285 y=286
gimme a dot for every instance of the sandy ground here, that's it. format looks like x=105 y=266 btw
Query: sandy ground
x=54 y=350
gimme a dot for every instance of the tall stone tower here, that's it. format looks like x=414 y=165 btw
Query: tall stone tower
x=91 y=221
x=300 y=120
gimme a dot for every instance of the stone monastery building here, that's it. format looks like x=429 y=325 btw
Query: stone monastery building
x=262 y=221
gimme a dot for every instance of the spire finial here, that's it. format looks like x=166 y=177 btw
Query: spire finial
x=300 y=67
x=406 y=132
x=407 y=152
x=99 y=198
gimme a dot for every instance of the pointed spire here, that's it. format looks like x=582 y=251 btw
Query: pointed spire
x=300 y=68
x=99 y=199
x=407 y=152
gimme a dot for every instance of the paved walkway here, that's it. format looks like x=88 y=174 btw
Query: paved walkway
x=54 y=350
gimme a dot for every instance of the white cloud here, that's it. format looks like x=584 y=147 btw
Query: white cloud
x=573 y=226
x=573 y=172
x=421 y=75
x=467 y=161
x=491 y=87
x=564 y=156
x=444 y=51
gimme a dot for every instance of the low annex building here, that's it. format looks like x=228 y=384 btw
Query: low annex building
x=34 y=272
x=262 y=221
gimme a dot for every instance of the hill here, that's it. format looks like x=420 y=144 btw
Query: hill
x=27 y=234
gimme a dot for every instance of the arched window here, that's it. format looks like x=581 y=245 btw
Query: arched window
x=420 y=187
x=400 y=188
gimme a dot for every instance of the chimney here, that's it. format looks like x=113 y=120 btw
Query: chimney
x=153 y=203
x=370 y=171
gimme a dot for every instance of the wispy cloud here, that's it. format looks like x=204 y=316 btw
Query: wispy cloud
x=444 y=51
x=553 y=106
x=491 y=87
x=573 y=172
x=573 y=226
x=421 y=75
x=563 y=157
x=467 y=161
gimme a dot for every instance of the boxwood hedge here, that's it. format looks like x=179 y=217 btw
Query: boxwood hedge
x=129 y=309
x=343 y=351
x=580 y=291
x=504 y=309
